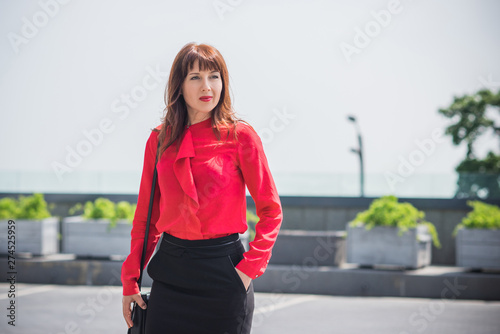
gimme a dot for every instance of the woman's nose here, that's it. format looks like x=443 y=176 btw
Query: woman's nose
x=205 y=85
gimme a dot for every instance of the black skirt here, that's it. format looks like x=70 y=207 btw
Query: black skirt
x=196 y=289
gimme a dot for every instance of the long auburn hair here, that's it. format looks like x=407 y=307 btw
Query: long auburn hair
x=176 y=117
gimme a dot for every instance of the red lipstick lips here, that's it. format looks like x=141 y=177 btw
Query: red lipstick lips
x=206 y=98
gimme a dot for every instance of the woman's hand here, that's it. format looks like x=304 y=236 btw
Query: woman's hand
x=244 y=278
x=127 y=307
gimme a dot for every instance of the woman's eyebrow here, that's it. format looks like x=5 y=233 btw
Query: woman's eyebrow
x=214 y=71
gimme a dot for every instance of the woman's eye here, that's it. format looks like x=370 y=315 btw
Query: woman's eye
x=215 y=77
x=195 y=77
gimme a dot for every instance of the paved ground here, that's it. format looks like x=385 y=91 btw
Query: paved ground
x=63 y=309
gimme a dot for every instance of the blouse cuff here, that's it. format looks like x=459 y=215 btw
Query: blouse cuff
x=130 y=288
x=251 y=269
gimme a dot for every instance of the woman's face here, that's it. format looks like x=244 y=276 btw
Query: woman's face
x=201 y=91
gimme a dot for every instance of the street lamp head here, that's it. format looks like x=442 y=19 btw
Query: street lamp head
x=351 y=118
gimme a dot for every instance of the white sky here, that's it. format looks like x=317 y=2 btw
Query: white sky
x=283 y=56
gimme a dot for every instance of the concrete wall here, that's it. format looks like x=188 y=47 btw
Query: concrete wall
x=323 y=214
x=333 y=213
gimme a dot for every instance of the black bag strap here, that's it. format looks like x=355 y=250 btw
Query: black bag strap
x=150 y=210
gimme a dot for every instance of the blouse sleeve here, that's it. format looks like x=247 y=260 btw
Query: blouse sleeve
x=255 y=170
x=130 y=268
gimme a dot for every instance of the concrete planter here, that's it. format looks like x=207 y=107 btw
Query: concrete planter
x=95 y=238
x=383 y=246
x=38 y=237
x=309 y=248
x=478 y=248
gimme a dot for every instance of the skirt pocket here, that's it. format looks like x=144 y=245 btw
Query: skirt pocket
x=234 y=259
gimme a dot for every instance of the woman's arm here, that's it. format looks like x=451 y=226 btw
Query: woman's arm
x=257 y=175
x=130 y=268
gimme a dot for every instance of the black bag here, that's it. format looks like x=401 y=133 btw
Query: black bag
x=139 y=317
x=138 y=314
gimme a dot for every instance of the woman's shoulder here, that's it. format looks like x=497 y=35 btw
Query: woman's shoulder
x=240 y=128
x=246 y=134
x=156 y=130
x=154 y=135
x=244 y=128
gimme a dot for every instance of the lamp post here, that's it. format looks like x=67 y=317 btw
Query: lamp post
x=359 y=151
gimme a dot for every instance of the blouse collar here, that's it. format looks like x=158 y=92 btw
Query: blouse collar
x=203 y=124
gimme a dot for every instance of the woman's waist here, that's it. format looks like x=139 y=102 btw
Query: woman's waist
x=200 y=241
x=201 y=248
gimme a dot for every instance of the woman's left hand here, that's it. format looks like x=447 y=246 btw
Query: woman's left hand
x=244 y=278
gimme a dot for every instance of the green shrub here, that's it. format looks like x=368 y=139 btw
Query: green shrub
x=387 y=211
x=482 y=216
x=125 y=210
x=25 y=207
x=103 y=208
x=8 y=208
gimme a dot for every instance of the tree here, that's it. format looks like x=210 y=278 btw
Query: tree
x=477 y=177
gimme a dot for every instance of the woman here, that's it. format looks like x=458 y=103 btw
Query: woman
x=202 y=276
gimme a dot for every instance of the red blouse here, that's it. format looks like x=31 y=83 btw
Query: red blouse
x=200 y=194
